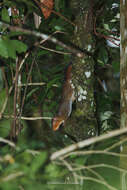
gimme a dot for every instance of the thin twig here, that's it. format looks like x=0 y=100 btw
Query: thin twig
x=5 y=102
x=28 y=78
x=113 y=32
x=23 y=60
x=79 y=168
x=108 y=166
x=11 y=88
x=28 y=118
x=13 y=127
x=99 y=166
x=116 y=144
x=55 y=51
x=97 y=181
x=104 y=36
x=87 y=142
x=79 y=153
x=70 y=169
x=33 y=152
x=42 y=41
x=5 y=80
x=37 y=84
x=95 y=173
x=113 y=42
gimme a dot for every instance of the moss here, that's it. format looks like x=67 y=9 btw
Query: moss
x=81 y=123
x=79 y=113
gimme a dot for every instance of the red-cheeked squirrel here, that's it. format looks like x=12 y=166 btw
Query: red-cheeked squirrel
x=65 y=107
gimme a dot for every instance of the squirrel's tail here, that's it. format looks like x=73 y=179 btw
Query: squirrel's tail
x=68 y=74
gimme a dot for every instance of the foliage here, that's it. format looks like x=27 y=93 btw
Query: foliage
x=39 y=85
x=90 y=168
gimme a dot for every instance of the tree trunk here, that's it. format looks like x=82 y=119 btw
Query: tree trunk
x=123 y=81
x=123 y=67
x=82 y=123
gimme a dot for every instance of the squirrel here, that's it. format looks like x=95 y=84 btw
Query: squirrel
x=65 y=107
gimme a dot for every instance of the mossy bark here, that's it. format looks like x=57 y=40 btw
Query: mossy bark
x=82 y=123
x=123 y=80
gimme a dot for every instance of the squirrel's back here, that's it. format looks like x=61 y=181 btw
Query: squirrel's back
x=65 y=107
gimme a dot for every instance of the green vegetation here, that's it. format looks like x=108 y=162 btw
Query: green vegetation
x=31 y=79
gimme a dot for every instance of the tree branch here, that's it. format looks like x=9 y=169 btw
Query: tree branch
x=7 y=142
x=27 y=118
x=77 y=52
x=87 y=142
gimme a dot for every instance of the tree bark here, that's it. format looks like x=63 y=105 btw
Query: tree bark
x=123 y=64
x=123 y=80
x=82 y=123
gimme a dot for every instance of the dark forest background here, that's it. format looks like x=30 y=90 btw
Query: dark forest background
x=38 y=40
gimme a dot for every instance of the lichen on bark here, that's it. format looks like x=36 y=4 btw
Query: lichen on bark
x=82 y=123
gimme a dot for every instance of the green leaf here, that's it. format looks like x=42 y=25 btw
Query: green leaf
x=31 y=92
x=50 y=83
x=43 y=52
x=4 y=127
x=38 y=162
x=53 y=171
x=106 y=115
x=19 y=46
x=58 y=28
x=5 y=15
x=8 y=48
x=24 y=158
x=106 y=26
x=3 y=48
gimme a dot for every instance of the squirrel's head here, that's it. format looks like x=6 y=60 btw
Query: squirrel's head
x=57 y=121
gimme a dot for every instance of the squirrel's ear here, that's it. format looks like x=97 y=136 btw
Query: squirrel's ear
x=56 y=123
